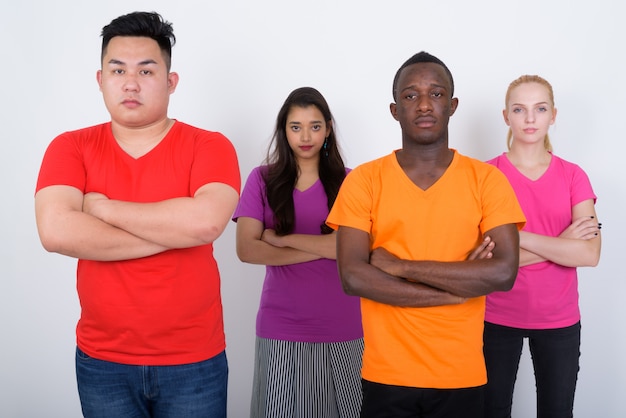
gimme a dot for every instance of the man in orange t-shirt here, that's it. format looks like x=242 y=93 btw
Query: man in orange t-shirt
x=423 y=234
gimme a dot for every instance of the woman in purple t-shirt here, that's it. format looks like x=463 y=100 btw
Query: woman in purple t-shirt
x=309 y=335
x=561 y=233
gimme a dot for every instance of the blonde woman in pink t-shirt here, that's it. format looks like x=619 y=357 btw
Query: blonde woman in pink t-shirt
x=561 y=233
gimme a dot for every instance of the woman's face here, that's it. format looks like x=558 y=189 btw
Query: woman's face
x=306 y=131
x=529 y=112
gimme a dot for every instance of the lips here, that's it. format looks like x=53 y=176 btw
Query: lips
x=131 y=103
x=306 y=147
x=425 y=121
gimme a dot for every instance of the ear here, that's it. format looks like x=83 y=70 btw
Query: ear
x=329 y=128
x=393 y=110
x=99 y=79
x=454 y=103
x=172 y=81
x=505 y=115
x=553 y=116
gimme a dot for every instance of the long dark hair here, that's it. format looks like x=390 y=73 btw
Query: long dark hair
x=282 y=168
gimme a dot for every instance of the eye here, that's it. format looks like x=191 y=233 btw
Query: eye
x=294 y=128
x=542 y=109
x=145 y=72
x=410 y=96
x=118 y=71
x=316 y=127
x=436 y=94
x=517 y=110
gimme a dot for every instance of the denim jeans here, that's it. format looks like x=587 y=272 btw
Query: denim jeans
x=555 y=355
x=109 y=389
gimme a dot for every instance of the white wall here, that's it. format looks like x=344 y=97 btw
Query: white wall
x=237 y=61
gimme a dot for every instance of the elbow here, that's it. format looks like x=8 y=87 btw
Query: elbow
x=244 y=253
x=349 y=284
x=51 y=242
x=506 y=278
x=209 y=234
x=593 y=261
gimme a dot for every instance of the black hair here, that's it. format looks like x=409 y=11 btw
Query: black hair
x=147 y=24
x=282 y=168
x=421 y=57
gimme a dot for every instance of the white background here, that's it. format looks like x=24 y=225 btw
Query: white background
x=237 y=62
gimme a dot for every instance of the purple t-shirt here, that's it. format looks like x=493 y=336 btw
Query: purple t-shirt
x=301 y=302
x=545 y=295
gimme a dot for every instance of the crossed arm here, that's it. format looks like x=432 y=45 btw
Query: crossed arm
x=258 y=245
x=94 y=227
x=577 y=246
x=382 y=277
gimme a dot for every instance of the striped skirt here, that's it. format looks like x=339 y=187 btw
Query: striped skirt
x=306 y=380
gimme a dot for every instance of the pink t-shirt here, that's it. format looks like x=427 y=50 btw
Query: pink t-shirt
x=545 y=295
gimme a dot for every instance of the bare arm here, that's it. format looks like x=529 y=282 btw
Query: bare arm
x=174 y=223
x=324 y=246
x=469 y=278
x=360 y=278
x=577 y=246
x=251 y=248
x=65 y=229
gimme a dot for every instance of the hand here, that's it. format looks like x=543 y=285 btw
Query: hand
x=484 y=250
x=583 y=228
x=90 y=202
x=272 y=238
x=385 y=261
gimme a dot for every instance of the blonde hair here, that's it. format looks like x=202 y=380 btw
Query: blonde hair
x=516 y=83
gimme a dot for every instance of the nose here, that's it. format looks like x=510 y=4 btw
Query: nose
x=130 y=83
x=306 y=136
x=530 y=117
x=423 y=103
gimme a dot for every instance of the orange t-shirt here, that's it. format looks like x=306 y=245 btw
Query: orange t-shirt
x=434 y=347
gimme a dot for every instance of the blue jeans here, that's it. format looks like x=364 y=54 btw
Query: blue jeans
x=555 y=355
x=196 y=390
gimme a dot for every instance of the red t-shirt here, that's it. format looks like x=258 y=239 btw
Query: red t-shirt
x=159 y=310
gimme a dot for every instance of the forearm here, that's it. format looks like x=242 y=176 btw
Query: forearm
x=255 y=251
x=371 y=283
x=563 y=251
x=526 y=258
x=175 y=223
x=324 y=246
x=463 y=278
x=79 y=235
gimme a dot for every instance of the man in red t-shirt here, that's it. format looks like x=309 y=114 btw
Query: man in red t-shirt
x=139 y=201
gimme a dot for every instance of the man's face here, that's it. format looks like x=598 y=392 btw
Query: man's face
x=135 y=82
x=424 y=105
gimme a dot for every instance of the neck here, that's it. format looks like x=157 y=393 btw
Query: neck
x=139 y=141
x=528 y=154
x=141 y=134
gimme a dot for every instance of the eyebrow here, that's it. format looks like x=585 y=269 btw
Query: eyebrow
x=148 y=61
x=300 y=123
x=534 y=104
x=432 y=85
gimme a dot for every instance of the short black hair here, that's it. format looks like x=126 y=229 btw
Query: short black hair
x=147 y=24
x=419 y=58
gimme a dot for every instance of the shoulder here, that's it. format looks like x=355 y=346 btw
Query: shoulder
x=566 y=165
x=478 y=166
x=376 y=165
x=183 y=129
